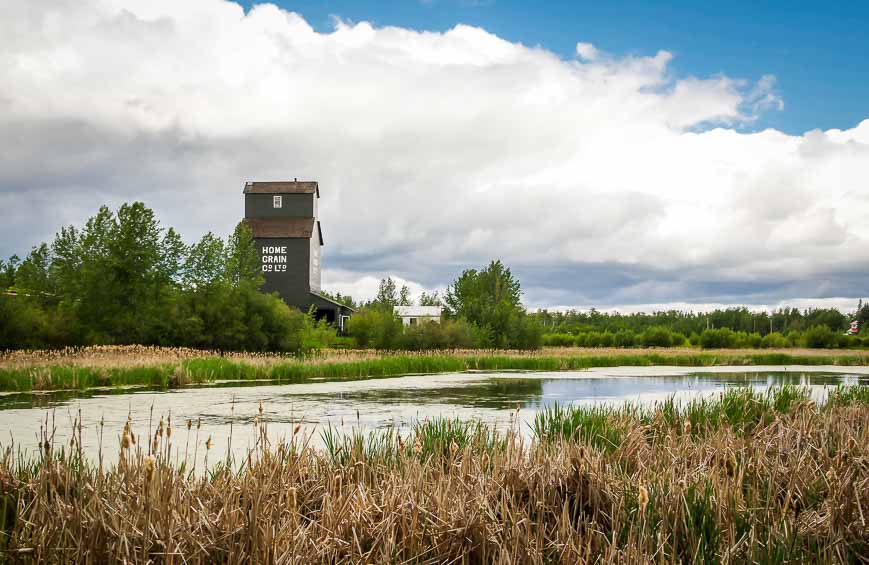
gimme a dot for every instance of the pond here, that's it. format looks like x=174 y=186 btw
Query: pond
x=227 y=410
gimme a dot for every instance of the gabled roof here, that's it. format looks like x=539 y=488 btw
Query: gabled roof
x=282 y=187
x=330 y=301
x=281 y=227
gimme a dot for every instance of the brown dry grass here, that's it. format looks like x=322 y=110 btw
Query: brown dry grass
x=795 y=489
x=127 y=356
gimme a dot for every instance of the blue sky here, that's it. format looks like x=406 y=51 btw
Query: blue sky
x=818 y=51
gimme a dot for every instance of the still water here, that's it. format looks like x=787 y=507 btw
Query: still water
x=227 y=410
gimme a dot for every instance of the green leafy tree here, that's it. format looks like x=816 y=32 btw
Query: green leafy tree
x=206 y=263
x=375 y=326
x=432 y=299
x=862 y=316
x=7 y=271
x=242 y=258
x=346 y=300
x=491 y=299
x=173 y=252
x=404 y=296
x=387 y=294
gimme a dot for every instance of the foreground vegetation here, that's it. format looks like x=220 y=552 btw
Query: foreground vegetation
x=748 y=477
x=174 y=367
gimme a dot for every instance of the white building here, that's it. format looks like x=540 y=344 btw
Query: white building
x=412 y=315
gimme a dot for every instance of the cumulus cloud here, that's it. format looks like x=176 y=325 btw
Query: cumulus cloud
x=600 y=180
x=587 y=51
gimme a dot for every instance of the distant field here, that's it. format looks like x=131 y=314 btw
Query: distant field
x=172 y=367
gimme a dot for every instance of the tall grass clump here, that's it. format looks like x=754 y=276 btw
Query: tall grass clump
x=170 y=367
x=679 y=486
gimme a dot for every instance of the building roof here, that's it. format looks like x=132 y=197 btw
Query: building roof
x=333 y=302
x=283 y=187
x=281 y=227
x=418 y=311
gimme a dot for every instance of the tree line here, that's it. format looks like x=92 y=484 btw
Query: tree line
x=481 y=309
x=124 y=279
x=723 y=328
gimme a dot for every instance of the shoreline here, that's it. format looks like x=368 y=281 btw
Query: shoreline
x=707 y=474
x=137 y=366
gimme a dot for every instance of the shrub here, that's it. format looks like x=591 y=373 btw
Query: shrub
x=720 y=338
x=525 y=332
x=819 y=337
x=558 y=340
x=448 y=334
x=625 y=338
x=658 y=336
x=375 y=327
x=774 y=340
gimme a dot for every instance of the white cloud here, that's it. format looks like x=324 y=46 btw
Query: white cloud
x=587 y=51
x=434 y=151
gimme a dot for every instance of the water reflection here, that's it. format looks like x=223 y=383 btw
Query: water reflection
x=371 y=404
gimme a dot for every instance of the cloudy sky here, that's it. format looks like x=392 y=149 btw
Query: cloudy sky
x=723 y=160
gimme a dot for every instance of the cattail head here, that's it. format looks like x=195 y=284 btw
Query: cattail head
x=688 y=427
x=198 y=423
x=208 y=443
x=643 y=499
x=125 y=440
x=189 y=424
x=296 y=429
x=148 y=467
x=260 y=407
x=160 y=427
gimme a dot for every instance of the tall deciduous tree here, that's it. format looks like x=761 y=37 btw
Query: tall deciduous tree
x=491 y=299
x=242 y=259
x=32 y=276
x=404 y=296
x=206 y=263
x=387 y=295
x=432 y=299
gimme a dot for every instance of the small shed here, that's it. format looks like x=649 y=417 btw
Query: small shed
x=412 y=315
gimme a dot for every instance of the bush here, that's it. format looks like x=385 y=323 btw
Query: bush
x=448 y=334
x=774 y=340
x=625 y=338
x=721 y=338
x=658 y=336
x=375 y=327
x=525 y=332
x=558 y=340
x=820 y=337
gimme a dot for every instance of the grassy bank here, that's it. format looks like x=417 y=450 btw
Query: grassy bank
x=171 y=368
x=749 y=477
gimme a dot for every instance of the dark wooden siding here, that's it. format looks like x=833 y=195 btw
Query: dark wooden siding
x=294 y=206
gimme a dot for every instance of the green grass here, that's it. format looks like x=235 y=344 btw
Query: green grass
x=210 y=369
x=844 y=395
x=741 y=409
